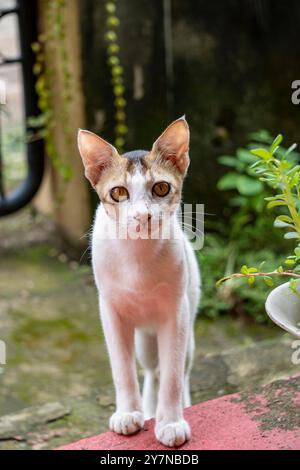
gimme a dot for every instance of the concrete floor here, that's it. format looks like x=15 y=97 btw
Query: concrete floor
x=55 y=348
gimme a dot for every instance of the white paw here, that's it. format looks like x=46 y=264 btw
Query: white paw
x=126 y=422
x=173 y=434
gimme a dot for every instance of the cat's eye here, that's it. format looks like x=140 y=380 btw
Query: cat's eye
x=119 y=194
x=161 y=189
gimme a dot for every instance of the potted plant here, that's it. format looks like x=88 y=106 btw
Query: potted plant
x=279 y=170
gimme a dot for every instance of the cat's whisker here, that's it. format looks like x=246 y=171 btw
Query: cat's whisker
x=191 y=219
x=193 y=228
x=197 y=232
x=85 y=251
x=87 y=234
x=198 y=213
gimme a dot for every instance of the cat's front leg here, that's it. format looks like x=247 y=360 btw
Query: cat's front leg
x=171 y=429
x=128 y=417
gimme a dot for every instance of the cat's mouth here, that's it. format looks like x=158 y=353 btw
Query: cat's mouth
x=156 y=227
x=134 y=229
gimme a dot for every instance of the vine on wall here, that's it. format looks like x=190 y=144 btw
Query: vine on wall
x=52 y=68
x=116 y=69
x=55 y=70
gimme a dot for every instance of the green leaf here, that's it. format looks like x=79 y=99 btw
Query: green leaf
x=284 y=218
x=294 y=283
x=276 y=142
x=262 y=153
x=290 y=235
x=290 y=150
x=293 y=170
x=277 y=197
x=238 y=201
x=261 y=136
x=244 y=269
x=36 y=47
x=252 y=270
x=297 y=251
x=251 y=280
x=257 y=163
x=275 y=204
x=261 y=265
x=248 y=186
x=228 y=161
x=245 y=156
x=279 y=269
x=269 y=281
x=281 y=224
x=228 y=181
x=290 y=262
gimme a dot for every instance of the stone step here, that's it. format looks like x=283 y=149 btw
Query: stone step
x=267 y=418
x=215 y=375
x=243 y=367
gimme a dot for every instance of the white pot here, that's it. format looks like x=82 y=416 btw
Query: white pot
x=283 y=307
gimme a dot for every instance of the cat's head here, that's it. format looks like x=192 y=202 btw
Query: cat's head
x=138 y=186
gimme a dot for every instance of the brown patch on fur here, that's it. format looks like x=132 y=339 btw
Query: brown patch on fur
x=159 y=165
x=173 y=145
x=137 y=163
x=154 y=168
x=97 y=155
x=115 y=175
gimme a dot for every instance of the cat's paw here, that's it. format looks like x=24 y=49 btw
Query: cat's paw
x=126 y=422
x=173 y=434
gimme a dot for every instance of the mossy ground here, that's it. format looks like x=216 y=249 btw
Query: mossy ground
x=50 y=323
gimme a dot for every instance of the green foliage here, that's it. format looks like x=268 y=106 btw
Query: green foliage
x=117 y=80
x=241 y=181
x=53 y=42
x=279 y=170
x=240 y=244
x=245 y=192
x=234 y=298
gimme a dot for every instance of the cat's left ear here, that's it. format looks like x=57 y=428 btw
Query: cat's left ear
x=173 y=145
x=96 y=154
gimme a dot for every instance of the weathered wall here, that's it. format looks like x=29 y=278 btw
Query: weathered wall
x=233 y=65
x=73 y=214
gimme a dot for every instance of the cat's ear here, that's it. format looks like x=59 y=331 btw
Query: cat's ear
x=96 y=154
x=173 y=145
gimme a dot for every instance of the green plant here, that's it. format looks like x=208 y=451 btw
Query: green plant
x=241 y=179
x=233 y=299
x=52 y=44
x=278 y=169
x=116 y=69
x=245 y=192
x=247 y=222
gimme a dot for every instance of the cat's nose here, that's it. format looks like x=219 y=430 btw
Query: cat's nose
x=143 y=217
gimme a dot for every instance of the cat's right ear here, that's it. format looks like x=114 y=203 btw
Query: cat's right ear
x=96 y=154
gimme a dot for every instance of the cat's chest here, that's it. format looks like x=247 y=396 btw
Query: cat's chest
x=135 y=275
x=137 y=284
x=143 y=306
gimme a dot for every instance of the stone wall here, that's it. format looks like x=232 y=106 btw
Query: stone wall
x=227 y=65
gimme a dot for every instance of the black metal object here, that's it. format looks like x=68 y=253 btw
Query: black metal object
x=27 y=18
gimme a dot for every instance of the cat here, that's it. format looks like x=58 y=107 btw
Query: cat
x=148 y=284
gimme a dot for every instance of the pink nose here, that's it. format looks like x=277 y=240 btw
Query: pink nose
x=142 y=217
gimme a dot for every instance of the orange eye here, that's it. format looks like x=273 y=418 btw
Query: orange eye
x=119 y=194
x=161 y=189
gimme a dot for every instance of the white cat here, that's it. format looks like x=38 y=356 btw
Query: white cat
x=149 y=286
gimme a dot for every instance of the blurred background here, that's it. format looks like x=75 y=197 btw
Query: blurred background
x=125 y=69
